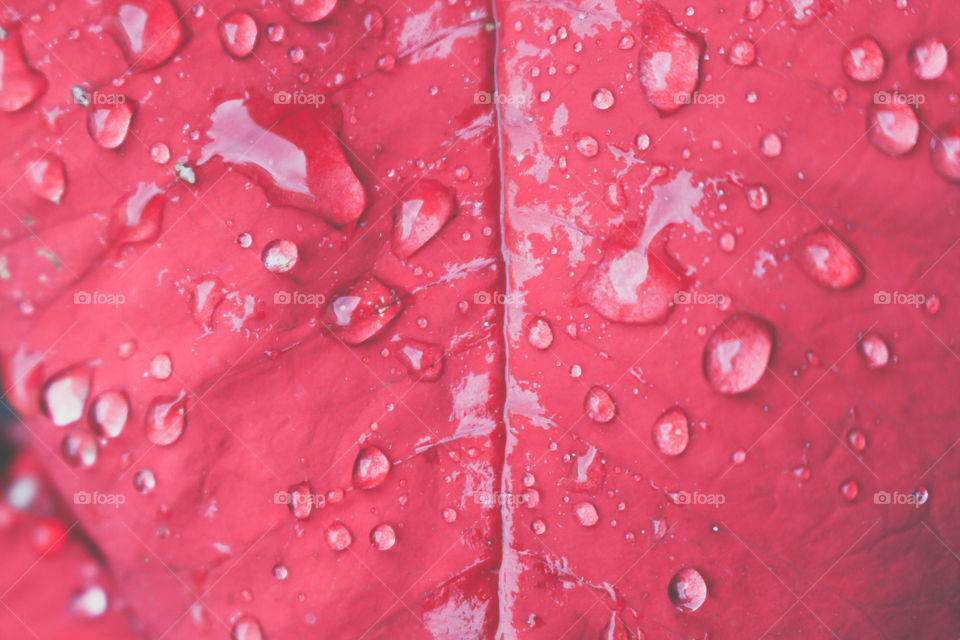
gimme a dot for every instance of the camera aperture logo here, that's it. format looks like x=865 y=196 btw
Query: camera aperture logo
x=897 y=297
x=299 y=297
x=99 y=298
x=97 y=498
x=697 y=498
x=299 y=98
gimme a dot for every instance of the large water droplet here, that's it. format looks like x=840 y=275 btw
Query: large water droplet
x=80 y=449
x=945 y=151
x=207 y=294
x=361 y=310
x=370 y=468
x=863 y=60
x=687 y=590
x=586 y=514
x=89 y=602
x=246 y=628
x=422 y=212
x=669 y=60
x=742 y=53
x=65 y=394
x=280 y=256
x=671 y=432
x=145 y=481
x=19 y=83
x=148 y=31
x=737 y=354
x=166 y=419
x=757 y=197
x=44 y=175
x=290 y=152
x=383 y=537
x=599 y=405
x=109 y=122
x=540 y=334
x=875 y=351
x=603 y=99
x=892 y=124
x=238 y=34
x=827 y=260
x=338 y=536
x=138 y=215
x=108 y=413
x=929 y=58
x=423 y=360
x=309 y=10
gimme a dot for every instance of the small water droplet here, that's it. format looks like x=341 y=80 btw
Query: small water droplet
x=108 y=413
x=863 y=60
x=849 y=489
x=383 y=537
x=687 y=590
x=145 y=481
x=875 y=351
x=89 y=602
x=588 y=146
x=599 y=405
x=161 y=366
x=80 y=449
x=586 y=514
x=338 y=536
x=280 y=256
x=238 y=34
x=737 y=354
x=165 y=419
x=65 y=394
x=540 y=334
x=370 y=468
x=671 y=432
x=539 y=527
x=603 y=99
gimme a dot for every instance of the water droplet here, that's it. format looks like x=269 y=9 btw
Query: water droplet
x=20 y=84
x=309 y=10
x=449 y=514
x=771 y=145
x=165 y=419
x=531 y=497
x=929 y=58
x=727 y=242
x=742 y=53
x=296 y=54
x=921 y=495
x=246 y=628
x=864 y=60
x=65 y=394
x=138 y=215
x=857 y=439
x=280 y=571
x=301 y=500
x=80 y=449
x=599 y=405
x=586 y=514
x=671 y=432
x=373 y=22
x=850 y=490
x=45 y=175
x=338 y=536
x=370 y=468
x=383 y=537
x=420 y=215
x=737 y=354
x=626 y=42
x=148 y=31
x=643 y=142
x=754 y=9
x=108 y=413
x=539 y=527
x=423 y=360
x=206 y=296
x=892 y=124
x=280 y=256
x=238 y=34
x=945 y=151
x=161 y=366
x=875 y=351
x=109 y=122
x=588 y=146
x=361 y=310
x=669 y=65
x=275 y=32
x=386 y=63
x=89 y=602
x=827 y=260
x=603 y=99
x=739 y=456
x=462 y=173
x=757 y=197
x=145 y=481
x=540 y=334
x=687 y=590
x=160 y=153
x=931 y=304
